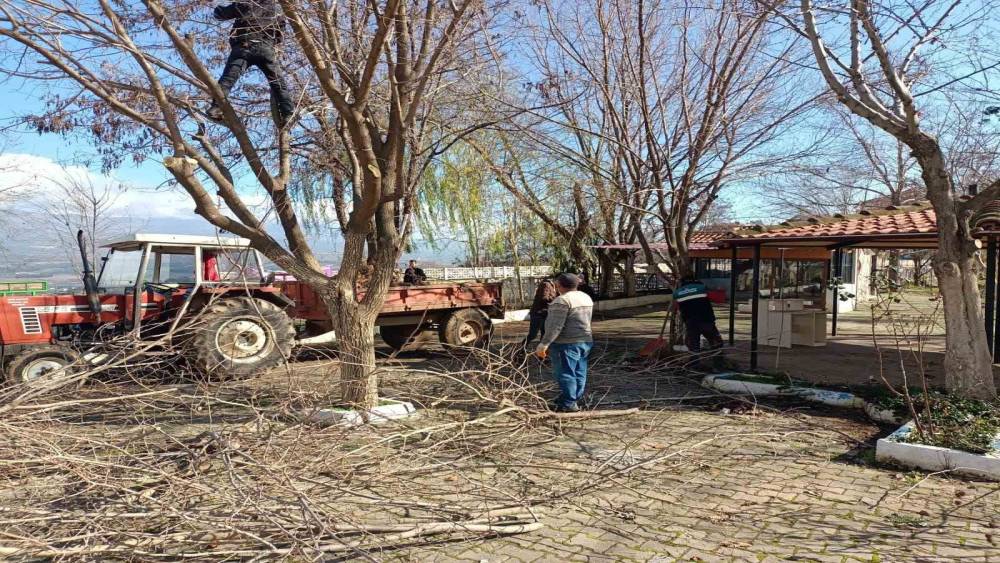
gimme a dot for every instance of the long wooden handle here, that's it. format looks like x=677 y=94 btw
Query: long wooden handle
x=666 y=318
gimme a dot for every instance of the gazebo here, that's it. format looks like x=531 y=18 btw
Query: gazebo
x=903 y=228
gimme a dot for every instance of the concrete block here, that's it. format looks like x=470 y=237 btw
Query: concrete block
x=932 y=458
x=388 y=410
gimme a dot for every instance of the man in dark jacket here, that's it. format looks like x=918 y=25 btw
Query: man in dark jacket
x=545 y=293
x=696 y=310
x=414 y=275
x=257 y=29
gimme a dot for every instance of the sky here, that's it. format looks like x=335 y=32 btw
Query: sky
x=41 y=159
x=35 y=161
x=27 y=158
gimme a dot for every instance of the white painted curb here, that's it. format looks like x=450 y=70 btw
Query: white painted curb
x=325 y=338
x=512 y=317
x=832 y=398
x=933 y=458
x=720 y=383
x=888 y=449
x=382 y=413
x=842 y=399
x=878 y=414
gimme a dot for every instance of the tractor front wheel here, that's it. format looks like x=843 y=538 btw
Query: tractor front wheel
x=32 y=365
x=239 y=337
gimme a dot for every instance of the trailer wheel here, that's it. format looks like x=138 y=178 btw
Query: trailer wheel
x=33 y=364
x=400 y=336
x=240 y=336
x=466 y=328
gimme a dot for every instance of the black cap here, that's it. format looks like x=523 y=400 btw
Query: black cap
x=569 y=281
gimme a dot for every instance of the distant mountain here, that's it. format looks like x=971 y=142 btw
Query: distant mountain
x=29 y=250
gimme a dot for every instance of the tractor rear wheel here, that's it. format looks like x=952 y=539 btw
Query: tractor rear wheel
x=466 y=328
x=240 y=336
x=32 y=365
x=400 y=336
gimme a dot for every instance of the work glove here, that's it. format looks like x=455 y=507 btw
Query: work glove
x=542 y=351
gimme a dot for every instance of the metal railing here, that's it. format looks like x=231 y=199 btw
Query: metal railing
x=486 y=272
x=23 y=288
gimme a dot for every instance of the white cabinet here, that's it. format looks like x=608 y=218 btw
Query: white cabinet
x=786 y=323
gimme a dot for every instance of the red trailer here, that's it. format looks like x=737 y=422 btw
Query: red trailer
x=460 y=313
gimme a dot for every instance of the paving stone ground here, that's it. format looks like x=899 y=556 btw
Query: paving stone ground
x=691 y=482
x=752 y=487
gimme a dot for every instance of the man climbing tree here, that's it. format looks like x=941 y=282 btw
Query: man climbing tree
x=257 y=30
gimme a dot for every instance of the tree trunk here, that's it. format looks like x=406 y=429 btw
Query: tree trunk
x=968 y=362
x=894 y=259
x=628 y=276
x=517 y=259
x=356 y=343
x=680 y=266
x=607 y=274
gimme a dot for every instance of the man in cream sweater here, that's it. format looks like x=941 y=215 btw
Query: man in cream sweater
x=569 y=339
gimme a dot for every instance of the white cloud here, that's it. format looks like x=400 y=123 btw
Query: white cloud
x=36 y=178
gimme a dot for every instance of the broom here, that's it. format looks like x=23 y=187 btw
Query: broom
x=654 y=347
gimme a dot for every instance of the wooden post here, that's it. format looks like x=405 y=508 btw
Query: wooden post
x=991 y=291
x=732 y=297
x=838 y=268
x=754 y=307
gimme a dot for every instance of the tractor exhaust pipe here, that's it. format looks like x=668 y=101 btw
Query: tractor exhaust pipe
x=89 y=282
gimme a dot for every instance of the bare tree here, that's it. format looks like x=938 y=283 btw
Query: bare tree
x=891 y=71
x=373 y=76
x=660 y=106
x=857 y=166
x=80 y=203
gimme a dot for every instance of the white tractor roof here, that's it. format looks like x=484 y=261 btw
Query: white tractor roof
x=139 y=239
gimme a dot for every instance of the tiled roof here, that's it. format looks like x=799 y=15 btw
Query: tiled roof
x=903 y=221
x=908 y=195
x=702 y=240
x=988 y=218
x=909 y=220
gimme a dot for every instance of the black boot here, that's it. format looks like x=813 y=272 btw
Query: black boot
x=215 y=114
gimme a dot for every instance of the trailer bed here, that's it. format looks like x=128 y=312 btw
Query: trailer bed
x=429 y=300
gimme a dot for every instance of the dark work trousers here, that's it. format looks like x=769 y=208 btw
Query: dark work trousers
x=536 y=327
x=261 y=55
x=696 y=329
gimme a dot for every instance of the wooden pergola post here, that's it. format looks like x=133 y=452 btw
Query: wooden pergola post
x=838 y=267
x=991 y=291
x=754 y=307
x=732 y=296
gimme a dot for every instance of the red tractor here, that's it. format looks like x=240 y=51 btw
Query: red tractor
x=233 y=319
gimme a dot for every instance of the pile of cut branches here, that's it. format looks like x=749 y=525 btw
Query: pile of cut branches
x=131 y=466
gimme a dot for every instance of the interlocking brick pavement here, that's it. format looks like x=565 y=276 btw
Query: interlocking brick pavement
x=763 y=487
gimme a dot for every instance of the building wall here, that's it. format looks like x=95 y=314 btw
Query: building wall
x=857 y=284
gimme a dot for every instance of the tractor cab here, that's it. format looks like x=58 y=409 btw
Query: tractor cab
x=147 y=287
x=152 y=274
x=167 y=262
